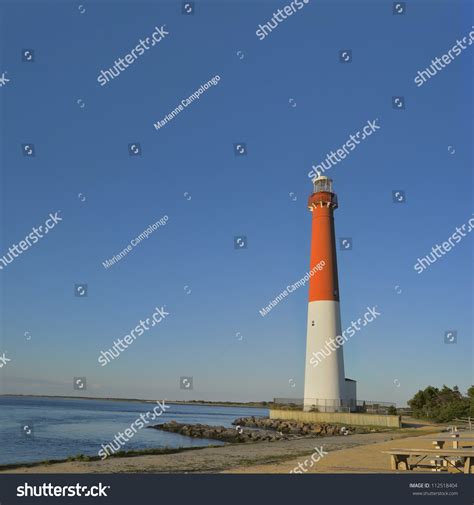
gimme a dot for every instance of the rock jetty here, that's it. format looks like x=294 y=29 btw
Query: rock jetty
x=298 y=428
x=230 y=435
x=259 y=429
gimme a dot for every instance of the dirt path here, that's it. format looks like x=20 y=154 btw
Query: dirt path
x=267 y=457
x=367 y=458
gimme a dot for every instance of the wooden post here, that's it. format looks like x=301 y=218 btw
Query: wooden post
x=393 y=462
x=468 y=464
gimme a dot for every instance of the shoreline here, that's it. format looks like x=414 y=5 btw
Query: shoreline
x=247 y=430
x=256 y=405
x=254 y=457
x=261 y=455
x=252 y=431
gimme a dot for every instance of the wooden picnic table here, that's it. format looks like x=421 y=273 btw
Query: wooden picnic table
x=440 y=440
x=399 y=458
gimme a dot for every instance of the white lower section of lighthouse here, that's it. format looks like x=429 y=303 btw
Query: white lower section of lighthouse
x=325 y=386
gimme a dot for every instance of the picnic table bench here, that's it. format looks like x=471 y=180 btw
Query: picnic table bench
x=399 y=458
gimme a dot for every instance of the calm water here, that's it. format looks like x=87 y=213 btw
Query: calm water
x=62 y=428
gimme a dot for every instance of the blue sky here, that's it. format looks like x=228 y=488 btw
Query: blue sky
x=85 y=150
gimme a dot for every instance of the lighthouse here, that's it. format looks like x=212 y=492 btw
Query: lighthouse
x=325 y=387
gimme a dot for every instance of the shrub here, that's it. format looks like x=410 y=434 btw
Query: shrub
x=442 y=405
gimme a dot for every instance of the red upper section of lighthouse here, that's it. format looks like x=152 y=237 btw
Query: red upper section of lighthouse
x=323 y=285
